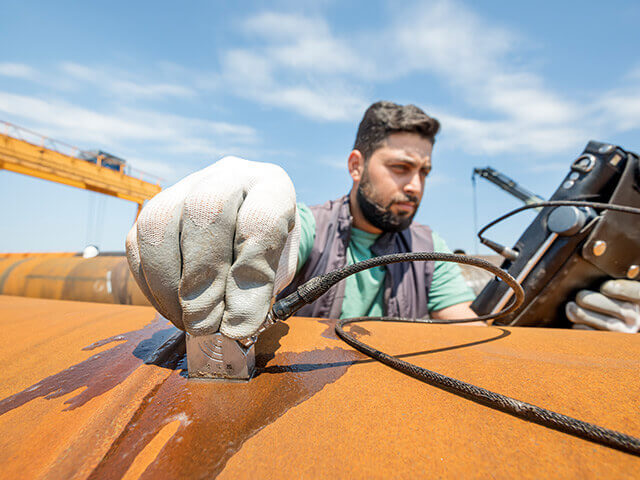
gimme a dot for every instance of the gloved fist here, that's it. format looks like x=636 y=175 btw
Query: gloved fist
x=615 y=308
x=211 y=251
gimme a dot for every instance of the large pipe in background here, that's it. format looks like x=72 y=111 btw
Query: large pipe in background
x=477 y=278
x=102 y=279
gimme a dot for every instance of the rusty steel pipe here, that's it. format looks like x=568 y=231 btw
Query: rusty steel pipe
x=102 y=279
x=104 y=385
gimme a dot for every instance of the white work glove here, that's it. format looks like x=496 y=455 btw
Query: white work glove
x=211 y=251
x=615 y=308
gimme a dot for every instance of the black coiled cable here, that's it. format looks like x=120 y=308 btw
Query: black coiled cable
x=317 y=286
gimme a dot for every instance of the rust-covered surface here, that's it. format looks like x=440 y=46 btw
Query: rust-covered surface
x=78 y=401
x=103 y=279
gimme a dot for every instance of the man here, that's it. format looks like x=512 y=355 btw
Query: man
x=389 y=164
x=211 y=251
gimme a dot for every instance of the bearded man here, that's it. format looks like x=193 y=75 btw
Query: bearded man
x=389 y=164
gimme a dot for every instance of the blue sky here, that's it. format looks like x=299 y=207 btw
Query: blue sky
x=173 y=86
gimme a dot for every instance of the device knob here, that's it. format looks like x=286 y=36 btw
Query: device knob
x=567 y=220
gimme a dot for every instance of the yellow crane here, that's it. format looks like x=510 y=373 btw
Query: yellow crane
x=49 y=159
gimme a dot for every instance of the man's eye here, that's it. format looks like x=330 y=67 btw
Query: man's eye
x=399 y=168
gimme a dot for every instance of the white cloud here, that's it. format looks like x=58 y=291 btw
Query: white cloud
x=115 y=82
x=524 y=98
x=248 y=69
x=299 y=64
x=634 y=73
x=284 y=26
x=623 y=109
x=305 y=44
x=17 y=70
x=474 y=59
x=151 y=170
x=254 y=76
x=620 y=107
x=165 y=135
x=325 y=104
x=337 y=162
x=504 y=136
x=121 y=125
x=81 y=122
x=80 y=72
x=446 y=38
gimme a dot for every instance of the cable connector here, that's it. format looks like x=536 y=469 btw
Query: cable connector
x=506 y=252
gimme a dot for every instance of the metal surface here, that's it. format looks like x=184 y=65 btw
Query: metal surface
x=606 y=148
x=585 y=163
x=77 y=400
x=16 y=255
x=104 y=279
x=220 y=358
x=533 y=261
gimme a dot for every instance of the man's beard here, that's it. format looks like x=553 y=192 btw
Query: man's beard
x=381 y=216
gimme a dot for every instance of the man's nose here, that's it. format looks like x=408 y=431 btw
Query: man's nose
x=414 y=186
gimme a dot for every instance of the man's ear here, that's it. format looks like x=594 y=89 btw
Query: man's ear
x=356 y=165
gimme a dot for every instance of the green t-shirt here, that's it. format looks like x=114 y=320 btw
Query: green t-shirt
x=364 y=291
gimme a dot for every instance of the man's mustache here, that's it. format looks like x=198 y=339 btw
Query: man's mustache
x=404 y=198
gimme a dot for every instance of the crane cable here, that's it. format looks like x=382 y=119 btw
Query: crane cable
x=475 y=208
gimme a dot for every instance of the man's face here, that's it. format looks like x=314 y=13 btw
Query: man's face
x=392 y=182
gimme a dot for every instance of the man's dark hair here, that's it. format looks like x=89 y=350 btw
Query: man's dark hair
x=384 y=118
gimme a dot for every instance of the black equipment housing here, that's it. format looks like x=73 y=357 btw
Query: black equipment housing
x=559 y=265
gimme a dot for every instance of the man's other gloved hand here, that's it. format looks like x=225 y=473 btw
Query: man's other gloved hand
x=615 y=308
x=211 y=251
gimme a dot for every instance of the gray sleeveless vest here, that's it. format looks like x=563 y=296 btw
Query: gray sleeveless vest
x=406 y=288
